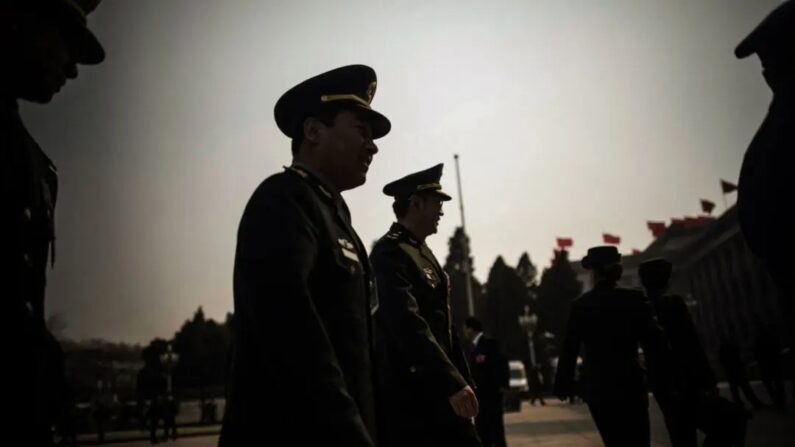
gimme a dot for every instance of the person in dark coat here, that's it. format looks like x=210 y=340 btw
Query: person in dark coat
x=42 y=41
x=425 y=387
x=535 y=382
x=689 y=381
x=492 y=376
x=611 y=323
x=766 y=173
x=303 y=289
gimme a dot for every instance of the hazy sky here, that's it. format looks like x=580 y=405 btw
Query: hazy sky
x=571 y=118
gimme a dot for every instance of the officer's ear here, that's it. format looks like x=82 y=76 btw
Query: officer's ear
x=416 y=202
x=314 y=130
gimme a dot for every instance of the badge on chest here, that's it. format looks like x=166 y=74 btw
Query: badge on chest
x=348 y=249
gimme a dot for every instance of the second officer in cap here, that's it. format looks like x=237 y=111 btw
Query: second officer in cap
x=424 y=383
x=303 y=290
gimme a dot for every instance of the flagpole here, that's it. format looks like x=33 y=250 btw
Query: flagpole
x=466 y=266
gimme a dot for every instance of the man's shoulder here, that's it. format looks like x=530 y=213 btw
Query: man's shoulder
x=388 y=246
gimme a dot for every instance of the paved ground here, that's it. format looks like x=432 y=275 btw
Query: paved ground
x=560 y=424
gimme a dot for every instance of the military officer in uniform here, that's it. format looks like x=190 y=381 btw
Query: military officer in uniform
x=303 y=288
x=766 y=174
x=425 y=388
x=42 y=42
x=610 y=323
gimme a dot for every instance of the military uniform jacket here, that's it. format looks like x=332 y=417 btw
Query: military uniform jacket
x=303 y=300
x=609 y=323
x=28 y=186
x=421 y=363
x=765 y=183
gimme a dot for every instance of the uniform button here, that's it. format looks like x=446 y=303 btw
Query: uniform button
x=27 y=215
x=413 y=369
x=26 y=258
x=352 y=269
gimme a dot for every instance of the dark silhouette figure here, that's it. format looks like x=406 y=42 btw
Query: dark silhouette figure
x=154 y=414
x=535 y=383
x=303 y=288
x=767 y=351
x=42 y=42
x=687 y=381
x=729 y=357
x=766 y=174
x=170 y=412
x=491 y=374
x=610 y=323
x=66 y=426
x=425 y=387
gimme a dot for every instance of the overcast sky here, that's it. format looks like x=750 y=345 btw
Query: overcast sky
x=571 y=118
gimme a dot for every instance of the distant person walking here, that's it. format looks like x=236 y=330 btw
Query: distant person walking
x=610 y=323
x=491 y=374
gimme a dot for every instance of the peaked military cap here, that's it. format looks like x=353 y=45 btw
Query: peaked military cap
x=774 y=38
x=352 y=86
x=423 y=181
x=657 y=270
x=601 y=256
x=71 y=15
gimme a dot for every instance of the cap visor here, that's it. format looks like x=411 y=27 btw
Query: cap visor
x=379 y=123
x=91 y=51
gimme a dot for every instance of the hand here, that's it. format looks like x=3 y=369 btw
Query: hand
x=464 y=403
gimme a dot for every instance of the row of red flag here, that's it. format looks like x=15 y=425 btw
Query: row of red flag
x=658 y=228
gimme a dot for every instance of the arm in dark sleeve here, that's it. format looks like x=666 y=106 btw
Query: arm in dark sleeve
x=697 y=365
x=567 y=362
x=399 y=317
x=277 y=251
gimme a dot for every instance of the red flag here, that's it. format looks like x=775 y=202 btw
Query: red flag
x=727 y=187
x=635 y=251
x=675 y=221
x=707 y=206
x=611 y=239
x=657 y=228
x=564 y=242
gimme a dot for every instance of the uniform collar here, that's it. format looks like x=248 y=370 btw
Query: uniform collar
x=477 y=338
x=317 y=179
x=401 y=233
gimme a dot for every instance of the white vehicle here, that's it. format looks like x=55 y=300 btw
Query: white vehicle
x=518 y=387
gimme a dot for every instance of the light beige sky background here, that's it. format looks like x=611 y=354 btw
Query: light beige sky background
x=571 y=118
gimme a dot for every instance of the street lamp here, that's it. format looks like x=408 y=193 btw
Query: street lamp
x=168 y=359
x=529 y=322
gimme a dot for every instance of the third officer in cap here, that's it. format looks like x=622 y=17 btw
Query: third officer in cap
x=766 y=174
x=610 y=323
x=41 y=44
x=302 y=371
x=425 y=388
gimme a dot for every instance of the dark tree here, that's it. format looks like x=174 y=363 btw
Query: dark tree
x=559 y=285
x=202 y=346
x=455 y=266
x=506 y=297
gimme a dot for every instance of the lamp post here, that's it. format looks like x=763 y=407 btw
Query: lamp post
x=168 y=359
x=529 y=322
